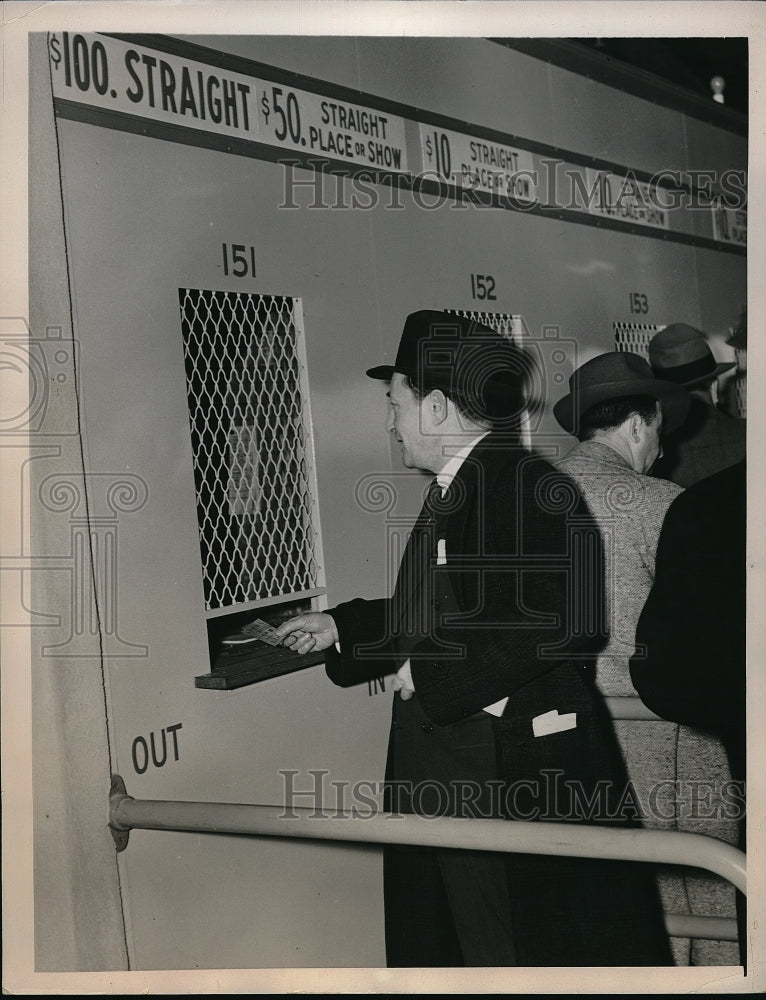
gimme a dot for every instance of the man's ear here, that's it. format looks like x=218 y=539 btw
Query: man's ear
x=439 y=405
x=636 y=425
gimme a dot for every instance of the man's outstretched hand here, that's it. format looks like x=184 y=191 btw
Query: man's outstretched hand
x=305 y=633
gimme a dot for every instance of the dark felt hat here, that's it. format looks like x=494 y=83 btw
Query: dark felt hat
x=460 y=355
x=614 y=376
x=681 y=354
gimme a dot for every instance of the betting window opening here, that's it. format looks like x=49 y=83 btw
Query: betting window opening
x=254 y=477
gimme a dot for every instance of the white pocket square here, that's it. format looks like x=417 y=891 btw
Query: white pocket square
x=552 y=722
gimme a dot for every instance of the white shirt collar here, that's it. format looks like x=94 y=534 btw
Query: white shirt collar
x=450 y=470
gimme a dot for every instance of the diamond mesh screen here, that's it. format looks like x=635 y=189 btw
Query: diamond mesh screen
x=251 y=445
x=507 y=325
x=635 y=337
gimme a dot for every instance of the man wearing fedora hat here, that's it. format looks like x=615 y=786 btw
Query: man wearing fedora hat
x=619 y=410
x=710 y=439
x=491 y=695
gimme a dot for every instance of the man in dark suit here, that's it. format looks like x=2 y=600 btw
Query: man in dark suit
x=495 y=713
x=709 y=439
x=689 y=665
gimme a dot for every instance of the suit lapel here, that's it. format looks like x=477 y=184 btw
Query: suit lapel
x=462 y=528
x=411 y=582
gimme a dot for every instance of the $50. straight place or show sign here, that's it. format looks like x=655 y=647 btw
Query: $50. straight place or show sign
x=332 y=128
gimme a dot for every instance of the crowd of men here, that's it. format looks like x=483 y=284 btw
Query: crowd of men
x=531 y=591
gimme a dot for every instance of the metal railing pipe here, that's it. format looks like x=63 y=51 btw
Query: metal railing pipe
x=522 y=837
x=701 y=926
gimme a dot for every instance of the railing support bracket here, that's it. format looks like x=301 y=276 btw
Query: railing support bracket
x=117 y=794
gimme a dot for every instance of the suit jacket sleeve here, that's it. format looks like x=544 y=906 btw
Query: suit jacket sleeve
x=689 y=664
x=365 y=650
x=517 y=621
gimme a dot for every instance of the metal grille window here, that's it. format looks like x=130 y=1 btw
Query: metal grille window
x=507 y=325
x=252 y=449
x=634 y=337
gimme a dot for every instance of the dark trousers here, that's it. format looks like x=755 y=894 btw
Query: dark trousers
x=444 y=907
x=477 y=908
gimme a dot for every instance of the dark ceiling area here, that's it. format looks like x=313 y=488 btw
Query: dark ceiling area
x=689 y=63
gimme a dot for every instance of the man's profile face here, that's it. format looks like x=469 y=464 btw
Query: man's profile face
x=405 y=422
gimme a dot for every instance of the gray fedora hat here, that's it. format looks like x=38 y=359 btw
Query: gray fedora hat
x=681 y=354
x=614 y=376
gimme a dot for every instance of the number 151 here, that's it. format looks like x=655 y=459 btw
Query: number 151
x=238 y=260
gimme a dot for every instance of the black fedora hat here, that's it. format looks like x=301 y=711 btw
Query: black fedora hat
x=614 y=376
x=458 y=354
x=681 y=354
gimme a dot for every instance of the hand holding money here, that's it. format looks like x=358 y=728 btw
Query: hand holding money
x=315 y=630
